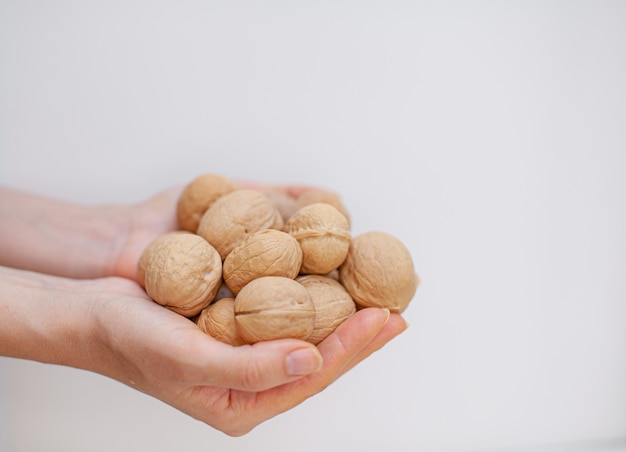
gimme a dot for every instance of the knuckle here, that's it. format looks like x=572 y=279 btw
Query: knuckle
x=252 y=375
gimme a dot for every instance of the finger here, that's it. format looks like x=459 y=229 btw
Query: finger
x=257 y=367
x=338 y=349
x=395 y=326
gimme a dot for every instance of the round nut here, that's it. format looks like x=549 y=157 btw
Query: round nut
x=198 y=196
x=183 y=273
x=274 y=307
x=218 y=321
x=379 y=272
x=147 y=253
x=233 y=217
x=324 y=236
x=265 y=253
x=314 y=195
x=333 y=304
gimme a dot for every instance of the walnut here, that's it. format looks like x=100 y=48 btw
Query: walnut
x=274 y=307
x=182 y=272
x=333 y=304
x=324 y=236
x=218 y=321
x=314 y=195
x=379 y=272
x=265 y=253
x=198 y=196
x=233 y=217
x=147 y=253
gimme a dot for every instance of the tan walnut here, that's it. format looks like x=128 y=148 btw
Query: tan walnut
x=198 y=196
x=274 y=307
x=218 y=321
x=182 y=272
x=315 y=195
x=333 y=304
x=265 y=253
x=235 y=216
x=324 y=236
x=379 y=272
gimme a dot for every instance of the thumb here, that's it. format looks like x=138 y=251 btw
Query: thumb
x=262 y=365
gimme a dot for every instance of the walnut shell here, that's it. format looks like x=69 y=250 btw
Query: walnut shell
x=333 y=304
x=147 y=253
x=218 y=321
x=265 y=253
x=379 y=272
x=274 y=307
x=233 y=217
x=183 y=273
x=324 y=236
x=314 y=195
x=198 y=196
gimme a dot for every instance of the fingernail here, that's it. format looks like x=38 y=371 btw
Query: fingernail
x=303 y=361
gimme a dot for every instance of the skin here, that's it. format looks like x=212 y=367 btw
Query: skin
x=68 y=296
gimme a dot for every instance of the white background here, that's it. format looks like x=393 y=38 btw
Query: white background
x=489 y=136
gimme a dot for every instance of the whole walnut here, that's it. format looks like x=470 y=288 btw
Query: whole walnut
x=235 y=216
x=379 y=272
x=324 y=236
x=182 y=272
x=147 y=253
x=333 y=304
x=198 y=196
x=315 y=195
x=265 y=253
x=218 y=321
x=274 y=307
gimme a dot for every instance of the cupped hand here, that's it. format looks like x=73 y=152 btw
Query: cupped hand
x=230 y=388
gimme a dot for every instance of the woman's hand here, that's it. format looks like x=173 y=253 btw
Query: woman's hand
x=111 y=327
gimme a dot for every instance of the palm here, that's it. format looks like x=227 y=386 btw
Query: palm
x=167 y=356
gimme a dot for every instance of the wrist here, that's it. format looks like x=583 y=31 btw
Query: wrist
x=41 y=319
x=60 y=238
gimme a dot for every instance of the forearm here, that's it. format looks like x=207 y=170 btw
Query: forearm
x=59 y=238
x=40 y=321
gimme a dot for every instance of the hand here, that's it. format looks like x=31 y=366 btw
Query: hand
x=111 y=327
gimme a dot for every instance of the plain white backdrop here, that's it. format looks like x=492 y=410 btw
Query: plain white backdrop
x=489 y=136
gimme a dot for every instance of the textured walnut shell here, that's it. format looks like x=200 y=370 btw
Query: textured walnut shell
x=274 y=307
x=198 y=196
x=183 y=273
x=147 y=253
x=265 y=253
x=333 y=304
x=324 y=236
x=218 y=321
x=235 y=216
x=315 y=195
x=379 y=272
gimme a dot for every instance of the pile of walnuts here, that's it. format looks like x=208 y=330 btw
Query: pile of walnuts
x=249 y=266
